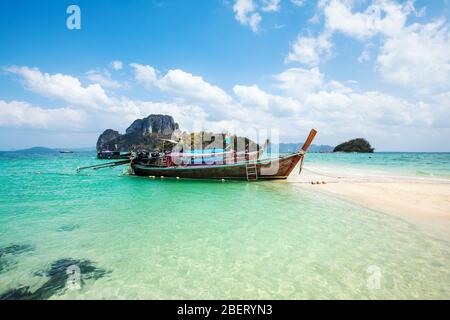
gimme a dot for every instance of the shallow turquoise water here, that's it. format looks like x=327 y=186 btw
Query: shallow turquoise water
x=425 y=165
x=145 y=238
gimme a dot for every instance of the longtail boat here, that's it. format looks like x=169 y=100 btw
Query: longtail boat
x=251 y=170
x=244 y=166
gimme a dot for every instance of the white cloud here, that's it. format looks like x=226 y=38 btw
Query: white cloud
x=337 y=111
x=103 y=78
x=186 y=85
x=336 y=108
x=192 y=96
x=310 y=50
x=271 y=5
x=298 y=82
x=182 y=84
x=186 y=114
x=245 y=13
x=305 y=100
x=315 y=19
x=145 y=74
x=414 y=56
x=441 y=109
x=255 y=98
x=60 y=86
x=365 y=54
x=367 y=109
x=298 y=3
x=249 y=12
x=22 y=114
x=386 y=17
x=419 y=57
x=117 y=65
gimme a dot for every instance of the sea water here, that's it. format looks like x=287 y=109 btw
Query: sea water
x=403 y=164
x=107 y=235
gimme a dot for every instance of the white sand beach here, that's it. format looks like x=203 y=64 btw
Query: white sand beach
x=422 y=201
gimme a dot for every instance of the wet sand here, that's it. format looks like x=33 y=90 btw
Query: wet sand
x=422 y=201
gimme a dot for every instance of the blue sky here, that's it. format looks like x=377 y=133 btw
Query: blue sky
x=378 y=69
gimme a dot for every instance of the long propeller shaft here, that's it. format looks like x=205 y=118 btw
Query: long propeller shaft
x=104 y=165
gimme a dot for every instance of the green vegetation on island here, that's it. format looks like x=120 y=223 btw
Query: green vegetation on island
x=355 y=145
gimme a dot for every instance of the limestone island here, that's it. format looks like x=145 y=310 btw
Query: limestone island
x=355 y=145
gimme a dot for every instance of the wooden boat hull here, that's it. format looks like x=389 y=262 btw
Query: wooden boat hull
x=270 y=169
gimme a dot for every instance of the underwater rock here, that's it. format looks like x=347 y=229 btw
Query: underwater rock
x=15 y=249
x=8 y=252
x=69 y=227
x=58 y=277
x=87 y=268
x=6 y=264
x=21 y=293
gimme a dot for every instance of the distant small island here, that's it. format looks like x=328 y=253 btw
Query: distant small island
x=36 y=150
x=355 y=145
x=45 y=150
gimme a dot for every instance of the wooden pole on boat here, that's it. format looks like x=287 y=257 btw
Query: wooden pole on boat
x=104 y=165
x=310 y=138
x=301 y=153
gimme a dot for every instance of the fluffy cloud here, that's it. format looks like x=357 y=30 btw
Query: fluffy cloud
x=63 y=87
x=117 y=65
x=335 y=109
x=245 y=13
x=386 y=17
x=310 y=50
x=298 y=3
x=144 y=74
x=381 y=17
x=298 y=82
x=255 y=98
x=419 y=57
x=103 y=78
x=306 y=100
x=186 y=85
x=415 y=56
x=90 y=107
x=367 y=109
x=365 y=55
x=271 y=5
x=22 y=114
x=250 y=12
x=441 y=109
x=334 y=104
x=190 y=116
x=182 y=85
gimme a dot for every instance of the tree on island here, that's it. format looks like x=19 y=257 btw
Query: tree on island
x=355 y=145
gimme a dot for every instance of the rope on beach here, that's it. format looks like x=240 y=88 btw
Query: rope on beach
x=322 y=174
x=339 y=178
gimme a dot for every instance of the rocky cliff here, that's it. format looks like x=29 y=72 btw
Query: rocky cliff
x=147 y=134
x=142 y=132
